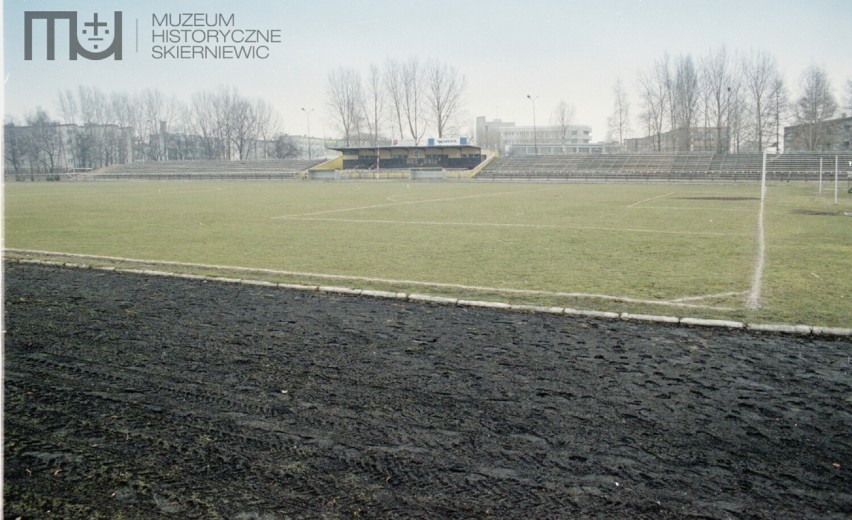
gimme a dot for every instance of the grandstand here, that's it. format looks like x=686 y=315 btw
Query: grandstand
x=183 y=170
x=591 y=168
x=665 y=166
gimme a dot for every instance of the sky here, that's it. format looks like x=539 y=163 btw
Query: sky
x=506 y=49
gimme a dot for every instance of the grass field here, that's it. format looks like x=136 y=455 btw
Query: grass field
x=685 y=250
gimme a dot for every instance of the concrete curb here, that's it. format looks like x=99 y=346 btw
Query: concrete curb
x=649 y=317
x=592 y=314
x=339 y=290
x=536 y=309
x=779 y=328
x=441 y=300
x=700 y=322
x=488 y=305
x=181 y=275
x=384 y=294
x=831 y=331
x=298 y=287
x=259 y=283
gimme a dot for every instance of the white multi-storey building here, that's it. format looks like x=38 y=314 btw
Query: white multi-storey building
x=511 y=139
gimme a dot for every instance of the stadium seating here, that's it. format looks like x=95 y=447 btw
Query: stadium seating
x=592 y=168
x=665 y=166
x=261 y=169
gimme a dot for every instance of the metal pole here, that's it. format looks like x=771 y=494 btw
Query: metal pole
x=820 y=175
x=763 y=179
x=836 y=170
x=535 y=131
x=308 y=114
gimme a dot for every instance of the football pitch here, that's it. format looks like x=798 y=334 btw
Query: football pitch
x=671 y=249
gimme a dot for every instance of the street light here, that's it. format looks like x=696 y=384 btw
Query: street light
x=535 y=131
x=308 y=114
x=728 y=122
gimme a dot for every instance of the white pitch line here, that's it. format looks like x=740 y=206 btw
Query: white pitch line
x=515 y=225
x=478 y=288
x=757 y=278
x=689 y=208
x=709 y=296
x=111 y=191
x=405 y=203
x=649 y=200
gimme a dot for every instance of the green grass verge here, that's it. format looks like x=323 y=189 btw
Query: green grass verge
x=650 y=244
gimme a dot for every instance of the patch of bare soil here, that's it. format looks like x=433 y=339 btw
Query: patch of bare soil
x=137 y=397
x=817 y=212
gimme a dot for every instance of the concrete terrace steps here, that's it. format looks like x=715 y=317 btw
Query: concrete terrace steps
x=201 y=168
x=745 y=166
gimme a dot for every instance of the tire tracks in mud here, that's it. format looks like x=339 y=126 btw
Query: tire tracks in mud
x=152 y=397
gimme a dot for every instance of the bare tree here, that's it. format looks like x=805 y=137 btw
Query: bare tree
x=815 y=105
x=780 y=106
x=849 y=94
x=68 y=108
x=284 y=147
x=619 y=121
x=244 y=127
x=157 y=109
x=373 y=102
x=14 y=146
x=561 y=118
x=445 y=86
x=653 y=93
x=760 y=81
x=685 y=100
x=183 y=144
x=412 y=105
x=121 y=109
x=721 y=82
x=94 y=105
x=203 y=123
x=666 y=79
x=44 y=141
x=394 y=86
x=89 y=141
x=344 y=101
x=223 y=102
x=267 y=122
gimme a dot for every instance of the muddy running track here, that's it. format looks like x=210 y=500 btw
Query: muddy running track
x=129 y=396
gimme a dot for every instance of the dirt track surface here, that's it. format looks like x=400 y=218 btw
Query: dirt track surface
x=129 y=396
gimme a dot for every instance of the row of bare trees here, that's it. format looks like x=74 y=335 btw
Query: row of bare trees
x=411 y=97
x=95 y=129
x=229 y=124
x=744 y=98
x=38 y=149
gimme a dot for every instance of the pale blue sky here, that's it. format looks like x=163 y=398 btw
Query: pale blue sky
x=572 y=50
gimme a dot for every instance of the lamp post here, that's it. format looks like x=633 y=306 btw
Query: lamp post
x=535 y=131
x=308 y=114
x=728 y=123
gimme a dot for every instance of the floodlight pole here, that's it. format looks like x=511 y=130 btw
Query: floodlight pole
x=308 y=114
x=535 y=132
